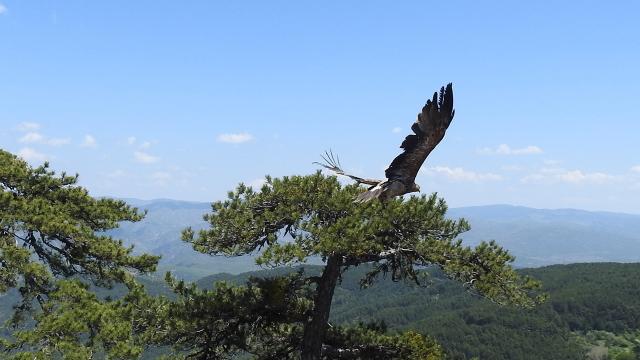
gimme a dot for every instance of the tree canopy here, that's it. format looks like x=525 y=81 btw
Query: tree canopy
x=55 y=250
x=52 y=229
x=292 y=219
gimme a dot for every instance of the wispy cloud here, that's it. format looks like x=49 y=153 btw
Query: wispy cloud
x=89 y=141
x=396 y=130
x=37 y=138
x=460 y=174
x=30 y=154
x=504 y=149
x=145 y=158
x=636 y=169
x=28 y=126
x=559 y=175
x=57 y=141
x=32 y=137
x=235 y=138
x=579 y=177
x=141 y=145
x=3 y=9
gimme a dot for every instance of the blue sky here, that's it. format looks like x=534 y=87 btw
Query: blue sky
x=184 y=100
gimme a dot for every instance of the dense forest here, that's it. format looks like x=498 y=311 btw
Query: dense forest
x=593 y=307
x=588 y=305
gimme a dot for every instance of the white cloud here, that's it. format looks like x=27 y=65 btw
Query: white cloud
x=57 y=141
x=556 y=175
x=235 y=138
x=145 y=158
x=89 y=141
x=460 y=174
x=534 y=179
x=32 y=137
x=396 y=130
x=3 y=9
x=636 y=169
x=145 y=145
x=131 y=140
x=504 y=149
x=37 y=138
x=578 y=177
x=28 y=126
x=30 y=154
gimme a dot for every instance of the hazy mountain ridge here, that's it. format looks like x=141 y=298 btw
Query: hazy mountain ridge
x=540 y=237
x=537 y=237
x=159 y=233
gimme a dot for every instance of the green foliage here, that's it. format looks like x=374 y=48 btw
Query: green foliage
x=370 y=341
x=394 y=238
x=263 y=319
x=323 y=220
x=583 y=295
x=75 y=324
x=623 y=346
x=582 y=298
x=259 y=318
x=51 y=229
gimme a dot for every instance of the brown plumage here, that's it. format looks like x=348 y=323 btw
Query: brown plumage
x=428 y=131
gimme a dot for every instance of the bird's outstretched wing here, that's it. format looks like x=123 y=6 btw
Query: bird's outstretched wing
x=332 y=163
x=428 y=130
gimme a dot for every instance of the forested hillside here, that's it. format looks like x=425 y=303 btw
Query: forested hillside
x=582 y=298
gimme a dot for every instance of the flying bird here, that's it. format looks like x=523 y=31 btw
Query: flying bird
x=428 y=131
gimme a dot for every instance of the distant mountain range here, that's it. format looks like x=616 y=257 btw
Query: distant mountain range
x=537 y=237
x=159 y=234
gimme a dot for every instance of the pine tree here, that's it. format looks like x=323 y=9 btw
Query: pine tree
x=54 y=251
x=53 y=245
x=293 y=219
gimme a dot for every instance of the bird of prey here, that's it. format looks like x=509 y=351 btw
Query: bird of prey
x=428 y=131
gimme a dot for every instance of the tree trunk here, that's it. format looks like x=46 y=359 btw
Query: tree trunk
x=314 y=331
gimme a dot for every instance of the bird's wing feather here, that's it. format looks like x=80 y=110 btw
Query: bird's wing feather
x=332 y=163
x=428 y=130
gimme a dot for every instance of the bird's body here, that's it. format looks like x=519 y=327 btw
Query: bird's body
x=428 y=130
x=386 y=190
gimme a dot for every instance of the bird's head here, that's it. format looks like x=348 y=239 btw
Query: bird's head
x=415 y=188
